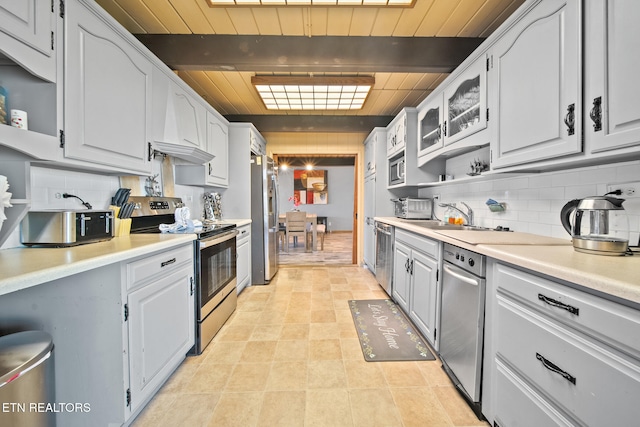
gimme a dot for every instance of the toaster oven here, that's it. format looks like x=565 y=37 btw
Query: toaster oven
x=411 y=208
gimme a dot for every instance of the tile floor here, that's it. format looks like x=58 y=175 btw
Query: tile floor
x=289 y=356
x=338 y=249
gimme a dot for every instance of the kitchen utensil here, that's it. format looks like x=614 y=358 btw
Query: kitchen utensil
x=126 y=210
x=121 y=196
x=600 y=225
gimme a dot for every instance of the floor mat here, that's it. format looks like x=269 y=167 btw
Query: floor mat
x=385 y=333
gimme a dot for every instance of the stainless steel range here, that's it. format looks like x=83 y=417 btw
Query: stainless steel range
x=214 y=267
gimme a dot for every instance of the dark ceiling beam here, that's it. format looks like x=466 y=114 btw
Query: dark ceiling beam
x=310 y=54
x=312 y=123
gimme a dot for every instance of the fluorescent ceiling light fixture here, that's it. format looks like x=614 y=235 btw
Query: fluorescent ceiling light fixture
x=319 y=3
x=313 y=93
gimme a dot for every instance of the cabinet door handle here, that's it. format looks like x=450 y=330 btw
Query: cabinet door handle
x=439 y=132
x=596 y=114
x=570 y=119
x=555 y=368
x=209 y=168
x=555 y=303
x=411 y=268
x=444 y=128
x=169 y=262
x=406 y=266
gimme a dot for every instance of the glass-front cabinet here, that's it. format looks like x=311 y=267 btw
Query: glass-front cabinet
x=430 y=124
x=465 y=103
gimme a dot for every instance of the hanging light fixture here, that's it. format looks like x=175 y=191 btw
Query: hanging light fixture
x=313 y=93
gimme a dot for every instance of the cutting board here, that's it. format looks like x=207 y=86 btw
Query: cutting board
x=502 y=238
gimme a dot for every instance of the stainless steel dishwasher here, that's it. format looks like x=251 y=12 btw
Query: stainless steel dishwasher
x=462 y=321
x=384 y=256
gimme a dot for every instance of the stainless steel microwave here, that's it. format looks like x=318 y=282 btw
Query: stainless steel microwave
x=396 y=171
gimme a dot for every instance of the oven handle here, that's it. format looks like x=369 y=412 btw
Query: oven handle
x=215 y=240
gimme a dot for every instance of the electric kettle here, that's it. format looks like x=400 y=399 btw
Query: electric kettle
x=600 y=225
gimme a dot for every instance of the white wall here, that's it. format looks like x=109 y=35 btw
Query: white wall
x=340 y=188
x=534 y=200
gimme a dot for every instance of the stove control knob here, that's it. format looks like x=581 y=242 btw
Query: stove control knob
x=471 y=262
x=462 y=258
x=457 y=255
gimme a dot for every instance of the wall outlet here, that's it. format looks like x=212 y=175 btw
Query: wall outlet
x=629 y=190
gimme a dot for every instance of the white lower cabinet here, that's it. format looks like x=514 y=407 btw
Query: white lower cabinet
x=559 y=354
x=243 y=254
x=415 y=284
x=119 y=331
x=160 y=316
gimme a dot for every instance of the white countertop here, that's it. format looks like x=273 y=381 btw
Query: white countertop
x=617 y=276
x=26 y=267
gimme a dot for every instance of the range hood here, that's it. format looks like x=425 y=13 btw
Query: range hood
x=191 y=154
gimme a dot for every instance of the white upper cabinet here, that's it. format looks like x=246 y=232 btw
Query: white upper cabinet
x=465 y=103
x=27 y=35
x=178 y=116
x=370 y=145
x=107 y=92
x=612 y=61
x=536 y=79
x=214 y=173
x=218 y=145
x=430 y=122
x=397 y=135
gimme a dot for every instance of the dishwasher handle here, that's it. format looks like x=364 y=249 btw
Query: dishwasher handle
x=386 y=230
x=460 y=275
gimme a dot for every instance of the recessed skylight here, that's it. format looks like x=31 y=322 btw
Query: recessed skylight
x=313 y=93
x=321 y=3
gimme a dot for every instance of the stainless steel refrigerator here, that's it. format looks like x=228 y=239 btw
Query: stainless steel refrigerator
x=264 y=216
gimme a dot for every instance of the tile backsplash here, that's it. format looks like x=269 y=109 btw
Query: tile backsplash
x=533 y=201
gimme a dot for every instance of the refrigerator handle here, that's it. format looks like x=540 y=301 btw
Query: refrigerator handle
x=276 y=203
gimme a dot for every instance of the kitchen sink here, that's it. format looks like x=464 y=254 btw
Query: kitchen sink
x=439 y=225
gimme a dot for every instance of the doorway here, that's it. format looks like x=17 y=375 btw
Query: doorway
x=335 y=205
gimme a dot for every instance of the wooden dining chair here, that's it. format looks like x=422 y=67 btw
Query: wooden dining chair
x=320 y=231
x=296 y=226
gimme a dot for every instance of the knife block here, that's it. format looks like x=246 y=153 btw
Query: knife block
x=121 y=227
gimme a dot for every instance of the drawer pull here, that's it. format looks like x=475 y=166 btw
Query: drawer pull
x=164 y=264
x=554 y=368
x=554 y=303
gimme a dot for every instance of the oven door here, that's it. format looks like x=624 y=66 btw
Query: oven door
x=216 y=269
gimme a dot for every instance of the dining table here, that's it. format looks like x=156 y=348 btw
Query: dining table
x=312 y=220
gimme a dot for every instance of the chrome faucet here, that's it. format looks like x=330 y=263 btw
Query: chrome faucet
x=468 y=216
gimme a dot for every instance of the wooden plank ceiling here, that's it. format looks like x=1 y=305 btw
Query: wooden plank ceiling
x=399 y=83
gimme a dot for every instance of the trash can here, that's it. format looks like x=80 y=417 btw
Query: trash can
x=26 y=380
